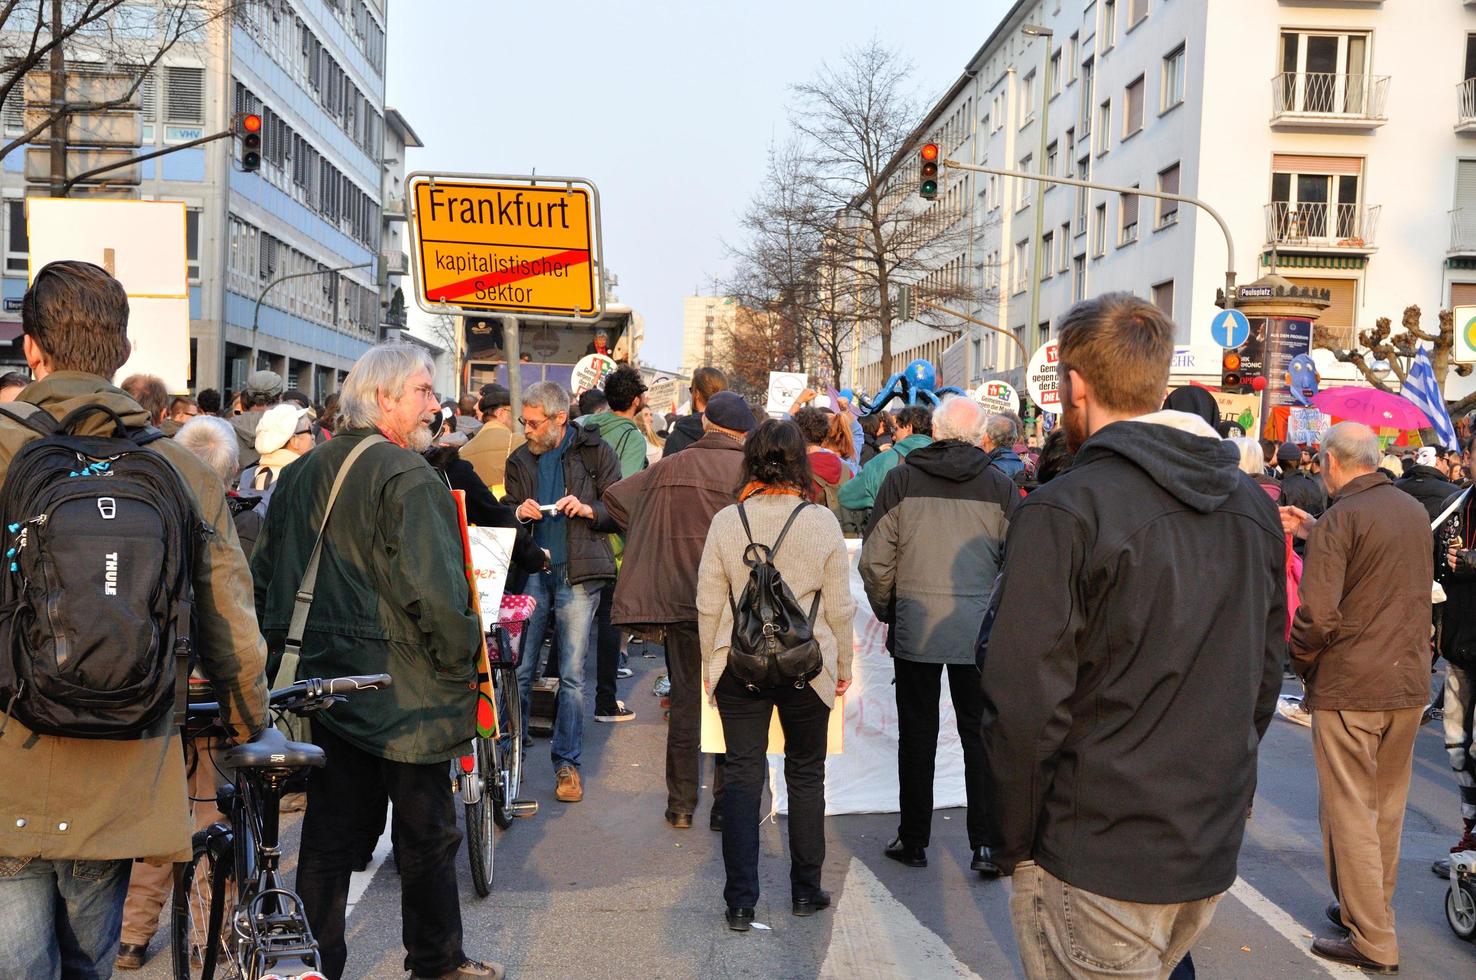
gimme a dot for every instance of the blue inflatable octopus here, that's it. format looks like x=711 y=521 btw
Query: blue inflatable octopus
x=917 y=384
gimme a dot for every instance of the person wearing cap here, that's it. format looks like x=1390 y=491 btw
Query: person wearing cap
x=284 y=433
x=1427 y=484
x=489 y=449
x=263 y=390
x=1297 y=488
x=665 y=512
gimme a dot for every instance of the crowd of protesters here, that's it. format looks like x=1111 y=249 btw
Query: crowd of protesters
x=1046 y=581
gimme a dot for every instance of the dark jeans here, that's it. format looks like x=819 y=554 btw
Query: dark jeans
x=607 y=651
x=804 y=718
x=684 y=729
x=60 y=918
x=918 y=689
x=341 y=799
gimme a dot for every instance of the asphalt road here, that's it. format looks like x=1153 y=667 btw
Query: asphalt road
x=604 y=888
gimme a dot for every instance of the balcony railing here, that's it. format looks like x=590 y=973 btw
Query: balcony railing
x=1322 y=226
x=1463 y=231
x=1329 y=98
x=1466 y=106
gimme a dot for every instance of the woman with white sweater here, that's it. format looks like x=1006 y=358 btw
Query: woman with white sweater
x=813 y=562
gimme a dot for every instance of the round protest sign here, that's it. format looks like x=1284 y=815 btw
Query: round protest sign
x=998 y=396
x=591 y=372
x=1041 y=379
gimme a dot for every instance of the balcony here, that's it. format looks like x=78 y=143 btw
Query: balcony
x=1463 y=232
x=1334 y=229
x=1466 y=107
x=1328 y=100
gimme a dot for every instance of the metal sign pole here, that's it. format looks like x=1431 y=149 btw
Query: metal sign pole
x=512 y=347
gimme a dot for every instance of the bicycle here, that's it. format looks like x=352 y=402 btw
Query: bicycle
x=268 y=937
x=489 y=775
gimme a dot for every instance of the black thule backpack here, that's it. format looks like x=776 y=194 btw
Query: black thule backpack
x=99 y=534
x=773 y=641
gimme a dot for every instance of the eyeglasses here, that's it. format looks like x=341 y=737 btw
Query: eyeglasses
x=426 y=391
x=533 y=426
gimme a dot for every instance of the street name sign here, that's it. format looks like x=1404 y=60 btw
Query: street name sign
x=1230 y=328
x=506 y=245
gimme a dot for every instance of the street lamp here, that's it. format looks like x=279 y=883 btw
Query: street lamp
x=1036 y=30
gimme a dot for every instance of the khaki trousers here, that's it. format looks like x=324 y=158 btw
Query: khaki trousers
x=152 y=885
x=1363 y=762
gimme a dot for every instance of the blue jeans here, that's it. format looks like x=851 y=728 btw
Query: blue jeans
x=60 y=919
x=572 y=608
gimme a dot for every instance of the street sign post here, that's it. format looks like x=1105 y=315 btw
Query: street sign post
x=517 y=245
x=1230 y=328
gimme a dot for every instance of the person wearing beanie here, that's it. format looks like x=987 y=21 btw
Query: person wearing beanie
x=665 y=511
x=284 y=433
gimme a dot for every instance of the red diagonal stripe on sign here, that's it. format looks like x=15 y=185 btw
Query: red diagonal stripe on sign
x=574 y=256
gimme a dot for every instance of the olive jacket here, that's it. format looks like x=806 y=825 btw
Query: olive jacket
x=391 y=596
x=98 y=799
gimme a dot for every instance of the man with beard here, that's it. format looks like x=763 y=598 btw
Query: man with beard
x=390 y=597
x=1120 y=840
x=567 y=468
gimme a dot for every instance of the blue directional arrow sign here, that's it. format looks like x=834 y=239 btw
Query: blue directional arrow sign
x=1230 y=328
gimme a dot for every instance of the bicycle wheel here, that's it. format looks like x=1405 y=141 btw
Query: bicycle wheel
x=200 y=951
x=480 y=825
x=509 y=742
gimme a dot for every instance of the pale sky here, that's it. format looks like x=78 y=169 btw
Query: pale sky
x=667 y=106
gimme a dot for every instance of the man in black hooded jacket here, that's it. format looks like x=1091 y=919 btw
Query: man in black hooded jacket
x=1127 y=682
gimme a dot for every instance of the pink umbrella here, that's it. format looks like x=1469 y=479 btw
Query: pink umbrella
x=1375 y=409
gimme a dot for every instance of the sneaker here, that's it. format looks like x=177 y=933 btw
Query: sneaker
x=1291 y=709
x=624 y=672
x=621 y=713
x=568 y=788
x=470 y=969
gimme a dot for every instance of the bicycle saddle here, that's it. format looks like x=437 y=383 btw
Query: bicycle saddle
x=271 y=750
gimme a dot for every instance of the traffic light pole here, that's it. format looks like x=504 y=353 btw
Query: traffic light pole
x=65 y=188
x=1024 y=355
x=1160 y=195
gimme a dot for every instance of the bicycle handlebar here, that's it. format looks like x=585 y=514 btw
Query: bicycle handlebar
x=305 y=692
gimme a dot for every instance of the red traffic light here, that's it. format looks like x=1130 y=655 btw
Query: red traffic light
x=251 y=123
x=929 y=152
x=1231 y=361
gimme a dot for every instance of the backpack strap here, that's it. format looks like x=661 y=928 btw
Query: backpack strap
x=33 y=417
x=303 y=604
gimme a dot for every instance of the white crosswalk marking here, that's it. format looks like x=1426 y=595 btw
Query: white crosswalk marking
x=1291 y=930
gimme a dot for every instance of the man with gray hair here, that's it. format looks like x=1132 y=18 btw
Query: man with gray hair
x=1361 y=640
x=558 y=476
x=933 y=546
x=1001 y=433
x=391 y=597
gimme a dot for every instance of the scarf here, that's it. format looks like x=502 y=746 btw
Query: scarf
x=755 y=488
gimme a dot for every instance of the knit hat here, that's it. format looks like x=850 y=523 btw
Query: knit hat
x=1288 y=452
x=278 y=425
x=728 y=410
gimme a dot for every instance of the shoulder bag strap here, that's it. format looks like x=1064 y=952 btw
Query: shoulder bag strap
x=304 y=601
x=33 y=417
x=1454 y=506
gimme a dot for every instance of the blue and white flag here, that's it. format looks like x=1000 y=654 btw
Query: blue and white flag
x=1421 y=388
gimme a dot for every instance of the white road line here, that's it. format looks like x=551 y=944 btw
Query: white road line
x=361 y=880
x=875 y=937
x=1290 y=929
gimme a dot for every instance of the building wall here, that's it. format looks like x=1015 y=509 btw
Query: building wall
x=707 y=326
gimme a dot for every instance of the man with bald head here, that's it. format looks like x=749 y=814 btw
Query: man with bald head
x=1361 y=641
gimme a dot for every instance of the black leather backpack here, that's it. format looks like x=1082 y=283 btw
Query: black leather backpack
x=774 y=641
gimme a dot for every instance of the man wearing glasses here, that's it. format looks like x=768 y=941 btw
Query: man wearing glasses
x=560 y=474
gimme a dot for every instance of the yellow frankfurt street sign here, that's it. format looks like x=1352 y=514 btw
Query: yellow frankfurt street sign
x=494 y=245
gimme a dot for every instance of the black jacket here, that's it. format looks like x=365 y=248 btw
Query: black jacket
x=1457 y=614
x=687 y=430
x=1134 y=664
x=590 y=468
x=1429 y=486
x=1299 y=489
x=485 y=510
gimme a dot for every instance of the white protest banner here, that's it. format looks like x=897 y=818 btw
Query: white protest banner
x=998 y=396
x=1306 y=426
x=661 y=395
x=1041 y=379
x=491 y=553
x=591 y=372
x=784 y=388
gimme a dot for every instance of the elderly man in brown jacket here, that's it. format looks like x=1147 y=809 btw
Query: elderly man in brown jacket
x=75 y=812
x=665 y=512
x=1361 y=640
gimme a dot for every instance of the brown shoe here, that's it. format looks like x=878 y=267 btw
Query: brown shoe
x=1343 y=951
x=131 y=956
x=569 y=789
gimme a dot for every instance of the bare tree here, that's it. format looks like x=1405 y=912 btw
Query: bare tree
x=767 y=342
x=1398 y=351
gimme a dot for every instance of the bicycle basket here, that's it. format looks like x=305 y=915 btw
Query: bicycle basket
x=505 y=641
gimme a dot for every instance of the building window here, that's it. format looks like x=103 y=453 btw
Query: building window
x=184 y=97
x=1084 y=122
x=1168 y=183
x=17 y=238
x=1137 y=10
x=1132 y=112
x=1173 y=80
x=1065 y=243
x=1104 y=127
x=1314 y=197
x=1027 y=99
x=1109 y=24
x=1022 y=266
x=1163 y=297
x=192 y=242
x=1050 y=162
x=1083 y=167
x=1341 y=315
x=1099 y=232
x=1022 y=186
x=1323 y=72
x=1078 y=278
x=1047 y=249
x=1073 y=47
x=1054 y=75
x=1128 y=205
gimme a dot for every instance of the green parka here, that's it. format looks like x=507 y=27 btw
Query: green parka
x=391 y=596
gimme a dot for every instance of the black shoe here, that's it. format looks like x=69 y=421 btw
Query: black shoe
x=715 y=820
x=1343 y=951
x=1441 y=868
x=817 y=902
x=740 y=919
x=681 y=821
x=913 y=857
x=1334 y=913
x=983 y=863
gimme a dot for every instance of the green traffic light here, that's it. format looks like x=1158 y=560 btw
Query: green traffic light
x=929 y=189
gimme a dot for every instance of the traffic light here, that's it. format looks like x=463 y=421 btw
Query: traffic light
x=1230 y=376
x=928 y=170
x=248 y=128
x=905 y=307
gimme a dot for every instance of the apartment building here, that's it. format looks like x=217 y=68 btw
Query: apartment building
x=1337 y=139
x=707 y=332
x=314 y=71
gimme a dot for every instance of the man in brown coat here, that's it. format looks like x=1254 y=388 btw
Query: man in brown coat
x=665 y=512
x=1361 y=640
x=490 y=447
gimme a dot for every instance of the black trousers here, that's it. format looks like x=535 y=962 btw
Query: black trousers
x=340 y=804
x=607 y=651
x=918 y=689
x=804 y=718
x=684 y=728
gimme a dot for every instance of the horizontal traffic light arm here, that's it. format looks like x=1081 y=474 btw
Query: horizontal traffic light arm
x=1074 y=182
x=1024 y=354
x=223 y=134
